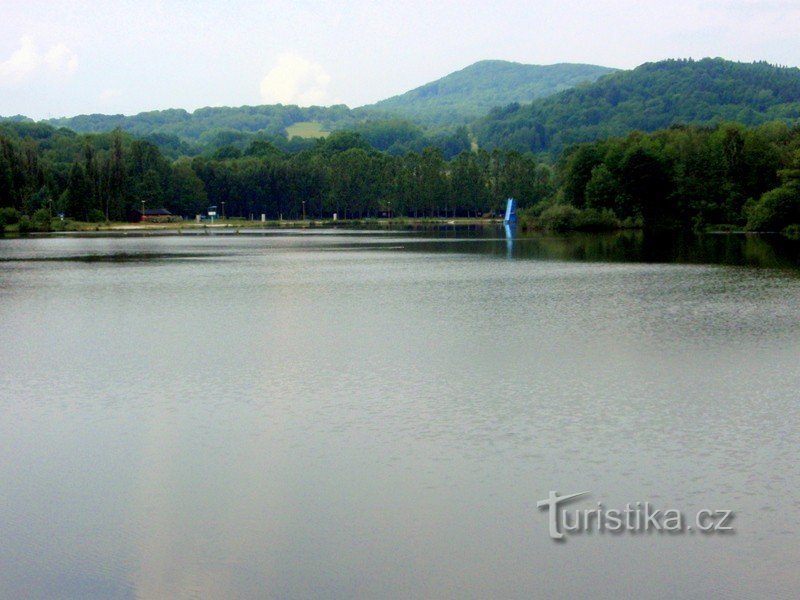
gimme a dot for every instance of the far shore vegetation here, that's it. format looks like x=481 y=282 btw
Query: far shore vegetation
x=674 y=145
x=728 y=177
x=43 y=223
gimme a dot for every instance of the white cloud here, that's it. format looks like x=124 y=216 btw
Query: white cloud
x=21 y=63
x=27 y=61
x=60 y=59
x=108 y=95
x=295 y=80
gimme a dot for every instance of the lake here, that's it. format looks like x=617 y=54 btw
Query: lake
x=376 y=414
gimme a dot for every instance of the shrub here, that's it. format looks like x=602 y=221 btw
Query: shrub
x=792 y=231
x=591 y=219
x=41 y=220
x=775 y=209
x=10 y=215
x=25 y=224
x=565 y=217
x=559 y=217
x=96 y=216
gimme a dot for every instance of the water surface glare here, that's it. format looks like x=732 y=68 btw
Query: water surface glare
x=376 y=415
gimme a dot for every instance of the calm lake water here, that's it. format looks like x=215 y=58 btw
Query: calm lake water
x=376 y=415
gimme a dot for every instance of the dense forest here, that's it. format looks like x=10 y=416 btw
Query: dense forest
x=683 y=177
x=104 y=176
x=434 y=114
x=576 y=103
x=470 y=93
x=179 y=133
x=598 y=103
x=675 y=144
x=651 y=97
x=680 y=177
x=203 y=126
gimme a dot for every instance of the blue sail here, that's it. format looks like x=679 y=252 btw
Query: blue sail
x=511 y=211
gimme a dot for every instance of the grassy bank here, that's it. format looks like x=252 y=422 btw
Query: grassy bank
x=68 y=225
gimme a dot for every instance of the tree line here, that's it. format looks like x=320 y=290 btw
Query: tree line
x=102 y=177
x=681 y=177
x=686 y=178
x=650 y=97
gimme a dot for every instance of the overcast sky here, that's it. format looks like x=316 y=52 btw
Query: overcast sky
x=67 y=57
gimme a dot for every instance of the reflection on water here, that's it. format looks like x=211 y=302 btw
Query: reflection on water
x=636 y=246
x=377 y=414
x=768 y=251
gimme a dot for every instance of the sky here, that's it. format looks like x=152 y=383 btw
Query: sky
x=63 y=58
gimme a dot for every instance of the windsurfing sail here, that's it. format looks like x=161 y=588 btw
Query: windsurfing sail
x=511 y=211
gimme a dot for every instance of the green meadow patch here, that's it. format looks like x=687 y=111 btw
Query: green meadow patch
x=306 y=129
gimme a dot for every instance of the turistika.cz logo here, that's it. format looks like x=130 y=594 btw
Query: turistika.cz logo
x=634 y=518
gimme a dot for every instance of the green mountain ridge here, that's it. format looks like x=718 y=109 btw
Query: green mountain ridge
x=447 y=103
x=470 y=93
x=204 y=123
x=650 y=97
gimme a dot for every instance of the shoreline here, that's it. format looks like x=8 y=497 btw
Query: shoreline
x=232 y=226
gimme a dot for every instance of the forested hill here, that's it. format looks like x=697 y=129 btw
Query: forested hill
x=650 y=97
x=434 y=114
x=471 y=92
x=204 y=123
x=455 y=99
